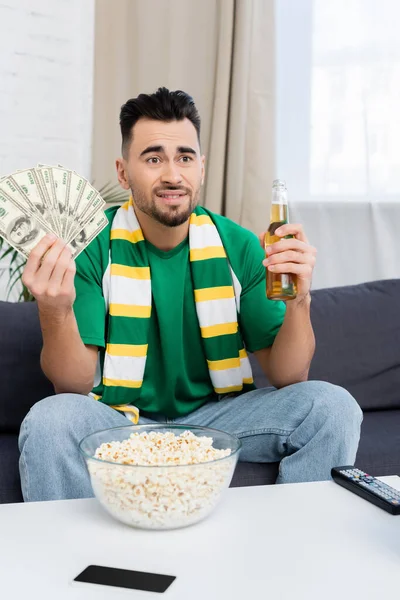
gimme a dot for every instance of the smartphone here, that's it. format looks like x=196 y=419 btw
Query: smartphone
x=133 y=580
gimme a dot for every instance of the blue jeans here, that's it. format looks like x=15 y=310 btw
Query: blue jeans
x=309 y=427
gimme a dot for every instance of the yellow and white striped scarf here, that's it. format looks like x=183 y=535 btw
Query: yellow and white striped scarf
x=127 y=292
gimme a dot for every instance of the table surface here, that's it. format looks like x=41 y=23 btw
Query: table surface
x=304 y=541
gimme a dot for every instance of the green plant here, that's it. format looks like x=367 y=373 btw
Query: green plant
x=112 y=193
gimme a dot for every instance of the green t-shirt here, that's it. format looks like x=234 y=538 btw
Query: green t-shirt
x=176 y=378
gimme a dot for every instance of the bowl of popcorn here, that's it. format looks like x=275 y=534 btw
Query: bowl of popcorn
x=160 y=476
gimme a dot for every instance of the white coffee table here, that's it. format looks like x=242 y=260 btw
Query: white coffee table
x=299 y=542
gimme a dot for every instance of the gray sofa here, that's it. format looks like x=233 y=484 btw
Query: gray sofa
x=357 y=330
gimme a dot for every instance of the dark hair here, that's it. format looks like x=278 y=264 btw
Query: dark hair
x=163 y=105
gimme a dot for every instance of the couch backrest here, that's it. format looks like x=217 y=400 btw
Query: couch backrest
x=22 y=381
x=357 y=329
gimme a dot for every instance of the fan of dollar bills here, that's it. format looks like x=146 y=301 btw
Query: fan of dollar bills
x=49 y=199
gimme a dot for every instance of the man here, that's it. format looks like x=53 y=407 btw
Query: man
x=168 y=299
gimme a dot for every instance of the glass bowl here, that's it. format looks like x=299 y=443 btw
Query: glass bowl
x=159 y=496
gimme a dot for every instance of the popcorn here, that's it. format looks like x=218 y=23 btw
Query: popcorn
x=178 y=479
x=156 y=448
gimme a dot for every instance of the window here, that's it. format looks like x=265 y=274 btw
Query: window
x=338 y=99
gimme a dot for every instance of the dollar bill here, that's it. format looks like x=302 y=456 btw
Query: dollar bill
x=60 y=180
x=88 y=234
x=18 y=193
x=44 y=176
x=46 y=208
x=49 y=199
x=26 y=197
x=92 y=203
x=19 y=227
x=77 y=190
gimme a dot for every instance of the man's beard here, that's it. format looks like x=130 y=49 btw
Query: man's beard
x=169 y=215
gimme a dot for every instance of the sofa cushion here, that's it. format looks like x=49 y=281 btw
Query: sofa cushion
x=22 y=381
x=10 y=486
x=357 y=330
x=254 y=474
x=379 y=450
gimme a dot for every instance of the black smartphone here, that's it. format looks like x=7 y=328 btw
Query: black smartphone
x=133 y=580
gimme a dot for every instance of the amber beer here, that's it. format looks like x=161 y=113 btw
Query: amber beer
x=280 y=286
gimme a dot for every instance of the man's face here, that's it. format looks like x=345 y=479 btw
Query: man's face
x=164 y=170
x=20 y=231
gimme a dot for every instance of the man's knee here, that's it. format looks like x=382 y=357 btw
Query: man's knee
x=333 y=402
x=53 y=415
x=60 y=409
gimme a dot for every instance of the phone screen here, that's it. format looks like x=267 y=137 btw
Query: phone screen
x=133 y=580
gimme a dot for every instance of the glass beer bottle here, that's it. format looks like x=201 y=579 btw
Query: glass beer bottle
x=280 y=286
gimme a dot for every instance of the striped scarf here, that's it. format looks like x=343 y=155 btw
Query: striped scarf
x=127 y=291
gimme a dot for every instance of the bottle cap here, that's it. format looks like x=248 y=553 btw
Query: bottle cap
x=279 y=183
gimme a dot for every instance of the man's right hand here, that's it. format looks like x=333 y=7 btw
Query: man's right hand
x=49 y=275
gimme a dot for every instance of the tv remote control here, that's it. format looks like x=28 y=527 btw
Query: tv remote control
x=368 y=487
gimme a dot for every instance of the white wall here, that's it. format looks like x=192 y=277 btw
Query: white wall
x=46 y=79
x=46 y=83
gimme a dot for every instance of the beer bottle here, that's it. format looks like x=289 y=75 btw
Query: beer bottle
x=280 y=286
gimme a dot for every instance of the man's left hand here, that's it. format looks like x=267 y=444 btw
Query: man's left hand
x=294 y=255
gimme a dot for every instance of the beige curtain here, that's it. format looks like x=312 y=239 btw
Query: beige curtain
x=220 y=52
